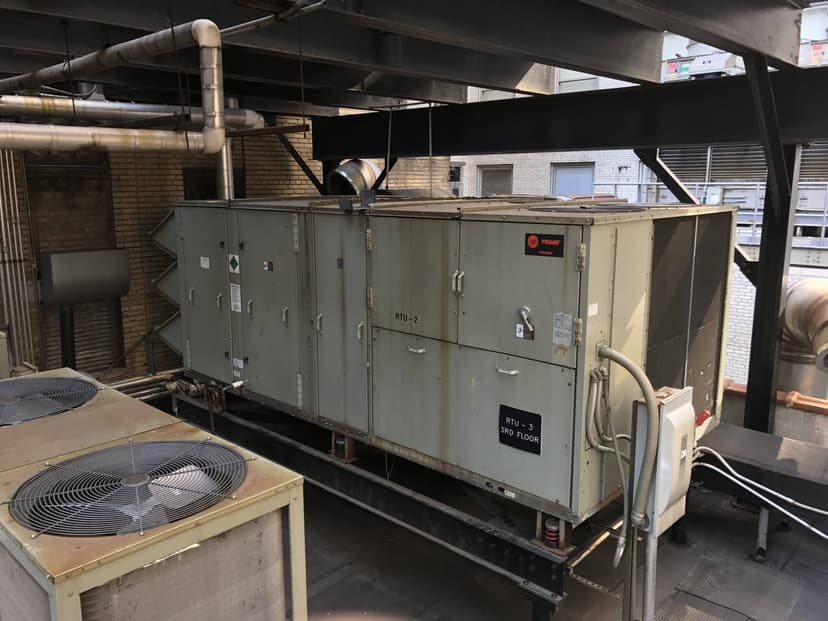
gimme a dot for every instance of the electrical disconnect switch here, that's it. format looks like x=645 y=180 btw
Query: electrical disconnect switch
x=676 y=439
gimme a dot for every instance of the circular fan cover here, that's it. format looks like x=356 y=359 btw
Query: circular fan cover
x=127 y=488
x=27 y=398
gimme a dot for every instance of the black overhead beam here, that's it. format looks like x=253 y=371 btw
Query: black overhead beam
x=564 y=33
x=325 y=40
x=769 y=27
x=688 y=113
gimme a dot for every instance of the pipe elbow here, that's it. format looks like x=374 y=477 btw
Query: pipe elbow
x=253 y=119
x=206 y=33
x=213 y=139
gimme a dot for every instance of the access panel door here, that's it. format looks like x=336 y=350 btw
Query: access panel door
x=341 y=319
x=519 y=289
x=268 y=304
x=413 y=275
x=204 y=298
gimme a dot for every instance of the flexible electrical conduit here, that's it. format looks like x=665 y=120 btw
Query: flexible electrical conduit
x=638 y=515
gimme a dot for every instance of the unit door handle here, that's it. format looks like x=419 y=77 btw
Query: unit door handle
x=319 y=322
x=360 y=326
x=460 y=278
x=218 y=300
x=191 y=294
x=417 y=350
x=454 y=281
x=285 y=314
x=503 y=371
x=250 y=307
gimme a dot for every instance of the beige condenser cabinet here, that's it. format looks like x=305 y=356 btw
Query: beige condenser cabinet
x=461 y=333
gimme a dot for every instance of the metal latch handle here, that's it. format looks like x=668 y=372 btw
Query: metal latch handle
x=417 y=350
x=285 y=314
x=218 y=300
x=454 y=281
x=360 y=326
x=191 y=294
x=460 y=278
x=250 y=307
x=319 y=322
x=526 y=317
x=503 y=371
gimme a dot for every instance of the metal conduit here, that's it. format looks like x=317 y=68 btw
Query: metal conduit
x=91 y=110
x=202 y=32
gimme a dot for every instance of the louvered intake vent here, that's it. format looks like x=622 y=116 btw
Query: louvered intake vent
x=127 y=488
x=23 y=399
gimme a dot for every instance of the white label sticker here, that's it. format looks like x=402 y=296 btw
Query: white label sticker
x=562 y=334
x=233 y=263
x=519 y=330
x=204 y=262
x=235 y=297
x=236 y=373
x=238 y=363
x=592 y=310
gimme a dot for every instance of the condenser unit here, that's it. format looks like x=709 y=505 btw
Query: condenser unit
x=460 y=334
x=119 y=511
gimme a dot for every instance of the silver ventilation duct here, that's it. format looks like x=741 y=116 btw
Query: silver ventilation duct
x=352 y=177
x=806 y=320
x=210 y=139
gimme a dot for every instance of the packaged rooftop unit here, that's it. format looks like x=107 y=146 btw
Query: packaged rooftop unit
x=459 y=334
x=120 y=511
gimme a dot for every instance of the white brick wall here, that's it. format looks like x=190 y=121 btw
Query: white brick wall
x=532 y=172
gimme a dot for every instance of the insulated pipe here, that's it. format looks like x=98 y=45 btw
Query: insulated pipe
x=642 y=490
x=92 y=110
x=806 y=318
x=202 y=32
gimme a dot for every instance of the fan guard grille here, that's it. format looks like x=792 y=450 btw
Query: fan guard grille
x=27 y=398
x=127 y=488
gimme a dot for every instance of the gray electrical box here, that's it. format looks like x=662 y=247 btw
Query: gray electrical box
x=460 y=333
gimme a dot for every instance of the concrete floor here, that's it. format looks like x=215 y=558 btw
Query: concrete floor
x=363 y=567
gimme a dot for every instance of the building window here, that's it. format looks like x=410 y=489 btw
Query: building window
x=494 y=180
x=573 y=178
x=456 y=179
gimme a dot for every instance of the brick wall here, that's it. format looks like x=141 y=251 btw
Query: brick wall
x=145 y=187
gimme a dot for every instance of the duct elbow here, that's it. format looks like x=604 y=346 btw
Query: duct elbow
x=253 y=119
x=206 y=33
x=213 y=139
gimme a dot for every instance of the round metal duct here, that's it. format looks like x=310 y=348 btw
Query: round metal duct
x=28 y=398
x=351 y=177
x=128 y=488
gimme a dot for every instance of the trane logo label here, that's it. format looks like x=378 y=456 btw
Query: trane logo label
x=541 y=245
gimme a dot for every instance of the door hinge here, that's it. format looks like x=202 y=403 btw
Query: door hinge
x=369 y=298
x=578 y=327
x=299 y=390
x=369 y=240
x=581 y=256
x=295 y=232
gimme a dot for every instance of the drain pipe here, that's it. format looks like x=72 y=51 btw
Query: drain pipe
x=201 y=32
x=224 y=162
x=92 y=110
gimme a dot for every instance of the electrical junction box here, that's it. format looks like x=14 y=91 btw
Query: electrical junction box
x=459 y=333
x=674 y=460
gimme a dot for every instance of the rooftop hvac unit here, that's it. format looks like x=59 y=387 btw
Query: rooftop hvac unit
x=127 y=513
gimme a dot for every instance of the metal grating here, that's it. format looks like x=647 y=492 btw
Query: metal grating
x=28 y=398
x=127 y=488
x=679 y=611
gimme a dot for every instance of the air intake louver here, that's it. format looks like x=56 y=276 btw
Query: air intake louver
x=127 y=488
x=24 y=399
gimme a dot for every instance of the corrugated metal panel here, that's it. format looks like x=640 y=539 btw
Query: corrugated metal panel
x=738 y=163
x=688 y=163
x=814 y=166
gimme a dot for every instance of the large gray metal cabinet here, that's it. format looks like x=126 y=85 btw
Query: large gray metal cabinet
x=460 y=334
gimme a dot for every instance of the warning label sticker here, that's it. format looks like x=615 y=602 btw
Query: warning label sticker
x=204 y=262
x=562 y=333
x=235 y=297
x=233 y=263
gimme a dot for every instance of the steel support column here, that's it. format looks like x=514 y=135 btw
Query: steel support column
x=774 y=252
x=297 y=157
